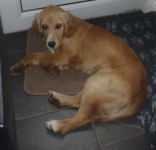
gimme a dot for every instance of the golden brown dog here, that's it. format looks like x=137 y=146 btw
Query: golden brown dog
x=116 y=89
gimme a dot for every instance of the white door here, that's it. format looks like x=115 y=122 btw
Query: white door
x=17 y=15
x=28 y=5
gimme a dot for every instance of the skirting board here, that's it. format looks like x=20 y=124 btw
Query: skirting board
x=150 y=5
x=15 y=20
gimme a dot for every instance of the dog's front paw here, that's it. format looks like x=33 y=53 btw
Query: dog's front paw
x=14 y=71
x=52 y=99
x=53 y=70
x=50 y=94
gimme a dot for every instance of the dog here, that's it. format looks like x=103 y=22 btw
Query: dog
x=117 y=86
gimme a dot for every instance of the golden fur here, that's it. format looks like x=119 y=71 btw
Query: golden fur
x=117 y=87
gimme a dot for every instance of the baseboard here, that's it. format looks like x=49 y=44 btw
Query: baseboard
x=150 y=5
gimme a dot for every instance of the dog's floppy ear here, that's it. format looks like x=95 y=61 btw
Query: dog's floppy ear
x=36 y=25
x=72 y=24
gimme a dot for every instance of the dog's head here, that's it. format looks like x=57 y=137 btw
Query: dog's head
x=55 y=24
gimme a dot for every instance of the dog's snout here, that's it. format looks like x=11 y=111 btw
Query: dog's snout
x=51 y=44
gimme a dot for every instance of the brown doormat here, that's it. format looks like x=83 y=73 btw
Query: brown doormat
x=38 y=82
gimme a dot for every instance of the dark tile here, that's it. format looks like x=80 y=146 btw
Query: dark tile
x=24 y=104
x=138 y=142
x=13 y=58
x=15 y=42
x=27 y=105
x=110 y=133
x=32 y=134
x=8 y=104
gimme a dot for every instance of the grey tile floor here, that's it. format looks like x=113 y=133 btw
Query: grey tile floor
x=31 y=113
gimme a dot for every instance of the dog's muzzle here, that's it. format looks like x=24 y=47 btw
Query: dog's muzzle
x=51 y=45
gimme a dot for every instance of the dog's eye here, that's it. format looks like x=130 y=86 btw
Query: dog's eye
x=44 y=26
x=58 y=26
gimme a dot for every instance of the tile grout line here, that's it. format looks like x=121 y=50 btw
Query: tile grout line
x=124 y=138
x=96 y=136
x=40 y=114
x=17 y=51
x=119 y=140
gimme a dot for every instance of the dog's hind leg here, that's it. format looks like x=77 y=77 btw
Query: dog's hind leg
x=88 y=103
x=85 y=115
x=65 y=100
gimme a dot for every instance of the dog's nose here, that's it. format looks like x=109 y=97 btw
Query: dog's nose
x=51 y=44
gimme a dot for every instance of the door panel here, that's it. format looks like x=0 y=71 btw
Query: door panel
x=36 y=4
x=14 y=19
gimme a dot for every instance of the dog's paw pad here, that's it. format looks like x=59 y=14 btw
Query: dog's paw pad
x=53 y=124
